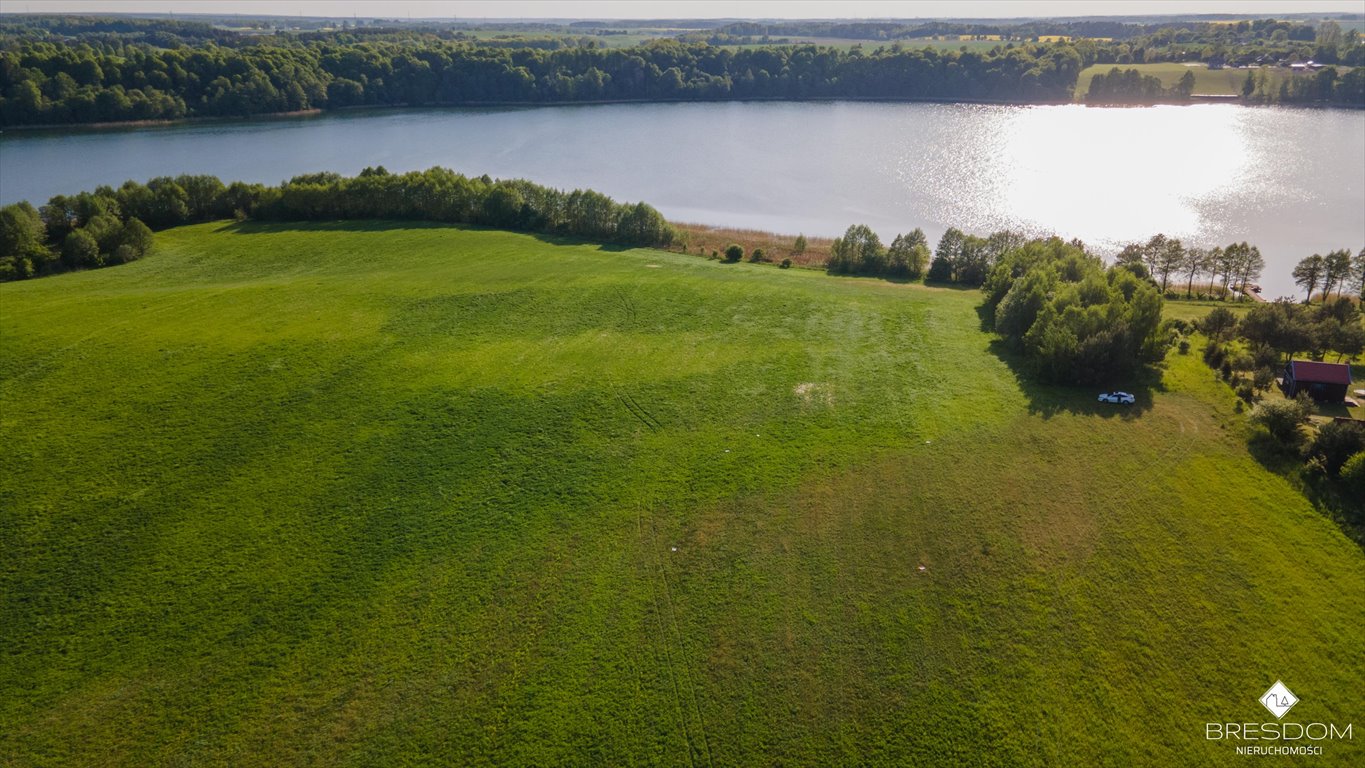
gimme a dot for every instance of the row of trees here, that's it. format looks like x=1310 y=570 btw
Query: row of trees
x=860 y=252
x=104 y=237
x=1276 y=331
x=958 y=258
x=48 y=82
x=1236 y=266
x=58 y=236
x=1338 y=271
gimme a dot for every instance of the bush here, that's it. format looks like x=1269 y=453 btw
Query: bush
x=1335 y=443
x=733 y=253
x=1184 y=346
x=786 y=264
x=1247 y=392
x=1282 y=419
x=1353 y=476
x=1214 y=354
x=800 y=245
x=756 y=256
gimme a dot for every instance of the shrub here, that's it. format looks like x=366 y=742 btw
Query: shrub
x=1184 y=346
x=1214 y=354
x=733 y=253
x=786 y=264
x=1353 y=476
x=1263 y=378
x=1335 y=443
x=757 y=255
x=1247 y=392
x=1282 y=419
x=800 y=245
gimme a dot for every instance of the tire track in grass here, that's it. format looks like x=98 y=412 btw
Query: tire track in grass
x=678 y=639
x=665 y=658
x=636 y=410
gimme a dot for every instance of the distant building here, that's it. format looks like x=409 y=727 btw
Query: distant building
x=1324 y=382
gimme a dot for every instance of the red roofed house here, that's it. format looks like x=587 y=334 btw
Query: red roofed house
x=1324 y=382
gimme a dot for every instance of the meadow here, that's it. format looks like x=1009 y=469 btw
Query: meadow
x=391 y=494
x=1216 y=82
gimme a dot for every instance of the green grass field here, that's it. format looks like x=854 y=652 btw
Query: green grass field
x=365 y=494
x=1220 y=82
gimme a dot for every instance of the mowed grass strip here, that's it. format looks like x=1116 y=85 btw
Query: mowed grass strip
x=380 y=494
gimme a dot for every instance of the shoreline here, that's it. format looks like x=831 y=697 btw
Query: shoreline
x=1194 y=100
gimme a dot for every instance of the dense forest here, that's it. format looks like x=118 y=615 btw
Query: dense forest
x=65 y=70
x=46 y=82
x=112 y=226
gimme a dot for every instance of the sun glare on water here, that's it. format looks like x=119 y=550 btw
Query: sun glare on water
x=1111 y=176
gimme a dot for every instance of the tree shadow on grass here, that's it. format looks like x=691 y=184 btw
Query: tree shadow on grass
x=1281 y=459
x=947 y=286
x=1048 y=400
x=258 y=227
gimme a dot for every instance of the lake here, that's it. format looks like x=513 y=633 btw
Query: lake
x=1290 y=181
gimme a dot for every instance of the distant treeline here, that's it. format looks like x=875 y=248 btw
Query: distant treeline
x=63 y=70
x=112 y=226
x=51 y=83
x=959 y=257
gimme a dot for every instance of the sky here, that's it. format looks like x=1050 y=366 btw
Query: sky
x=661 y=9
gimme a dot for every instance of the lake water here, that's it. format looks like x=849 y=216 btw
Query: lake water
x=1290 y=181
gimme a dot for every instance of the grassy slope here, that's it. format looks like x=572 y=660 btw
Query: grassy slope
x=356 y=496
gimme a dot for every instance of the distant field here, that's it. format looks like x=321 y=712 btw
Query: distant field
x=632 y=38
x=374 y=494
x=1194 y=309
x=1206 y=81
x=910 y=43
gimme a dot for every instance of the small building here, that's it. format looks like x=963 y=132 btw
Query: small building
x=1324 y=382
